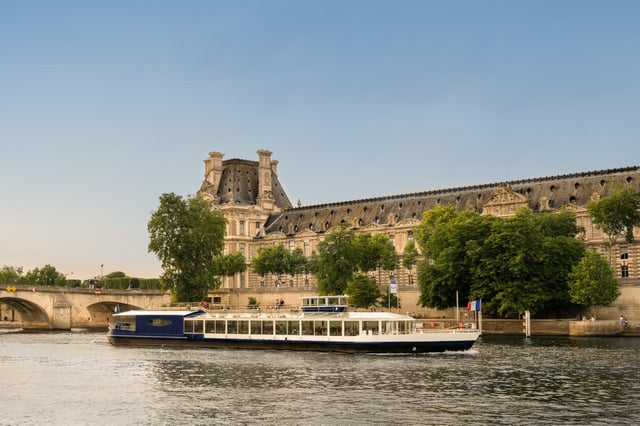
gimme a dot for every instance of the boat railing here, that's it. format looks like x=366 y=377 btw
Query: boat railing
x=432 y=325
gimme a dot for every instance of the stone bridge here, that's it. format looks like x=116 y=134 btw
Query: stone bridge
x=62 y=308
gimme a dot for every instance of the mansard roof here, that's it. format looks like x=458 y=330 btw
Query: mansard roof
x=540 y=194
x=239 y=185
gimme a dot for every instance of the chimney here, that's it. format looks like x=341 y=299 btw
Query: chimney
x=213 y=168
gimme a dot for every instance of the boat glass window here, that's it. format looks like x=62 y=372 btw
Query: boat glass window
x=320 y=328
x=294 y=328
x=334 y=301
x=281 y=327
x=126 y=323
x=210 y=326
x=232 y=327
x=335 y=328
x=307 y=328
x=198 y=326
x=371 y=327
x=389 y=327
x=188 y=326
x=243 y=327
x=159 y=322
x=267 y=327
x=256 y=327
x=351 y=328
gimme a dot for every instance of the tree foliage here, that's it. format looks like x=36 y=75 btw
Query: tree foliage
x=297 y=261
x=334 y=262
x=228 y=265
x=410 y=255
x=616 y=214
x=343 y=253
x=374 y=252
x=451 y=243
x=363 y=291
x=271 y=260
x=592 y=281
x=11 y=275
x=186 y=236
x=47 y=276
x=514 y=264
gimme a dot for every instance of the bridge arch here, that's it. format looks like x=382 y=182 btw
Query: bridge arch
x=33 y=315
x=97 y=315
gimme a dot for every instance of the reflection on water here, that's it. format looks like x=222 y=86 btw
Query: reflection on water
x=77 y=378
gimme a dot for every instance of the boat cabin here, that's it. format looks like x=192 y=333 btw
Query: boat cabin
x=324 y=304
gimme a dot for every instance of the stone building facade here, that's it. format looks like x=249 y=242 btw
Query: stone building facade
x=259 y=213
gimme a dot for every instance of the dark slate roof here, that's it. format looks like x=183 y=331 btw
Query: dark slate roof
x=240 y=178
x=559 y=190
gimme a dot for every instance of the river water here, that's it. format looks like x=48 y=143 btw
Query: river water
x=77 y=378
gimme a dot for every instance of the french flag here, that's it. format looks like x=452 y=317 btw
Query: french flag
x=474 y=305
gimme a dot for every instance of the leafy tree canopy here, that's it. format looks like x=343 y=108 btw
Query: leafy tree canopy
x=514 y=264
x=10 y=274
x=343 y=253
x=616 y=214
x=45 y=276
x=592 y=281
x=363 y=291
x=334 y=262
x=410 y=255
x=230 y=264
x=186 y=236
x=270 y=259
x=451 y=243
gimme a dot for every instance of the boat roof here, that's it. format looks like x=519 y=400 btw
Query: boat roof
x=141 y=313
x=356 y=315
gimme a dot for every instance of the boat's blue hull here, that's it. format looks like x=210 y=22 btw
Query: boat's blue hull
x=295 y=345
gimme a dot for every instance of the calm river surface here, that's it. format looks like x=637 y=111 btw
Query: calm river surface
x=77 y=378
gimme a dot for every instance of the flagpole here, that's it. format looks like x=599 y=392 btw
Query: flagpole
x=457 y=310
x=480 y=316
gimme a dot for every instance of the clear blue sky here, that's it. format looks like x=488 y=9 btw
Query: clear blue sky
x=105 y=105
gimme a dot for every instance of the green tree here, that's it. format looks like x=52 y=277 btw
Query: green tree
x=334 y=262
x=297 y=262
x=514 y=264
x=592 y=281
x=116 y=274
x=410 y=258
x=187 y=236
x=47 y=276
x=524 y=264
x=374 y=252
x=272 y=259
x=451 y=243
x=363 y=291
x=10 y=274
x=616 y=214
x=228 y=265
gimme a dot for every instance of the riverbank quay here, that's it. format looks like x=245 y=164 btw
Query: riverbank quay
x=10 y=324
x=560 y=327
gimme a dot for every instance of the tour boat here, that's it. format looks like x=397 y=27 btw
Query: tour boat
x=323 y=323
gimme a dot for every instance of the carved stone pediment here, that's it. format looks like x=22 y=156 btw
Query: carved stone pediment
x=504 y=202
x=277 y=235
x=371 y=227
x=408 y=222
x=573 y=208
x=306 y=233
